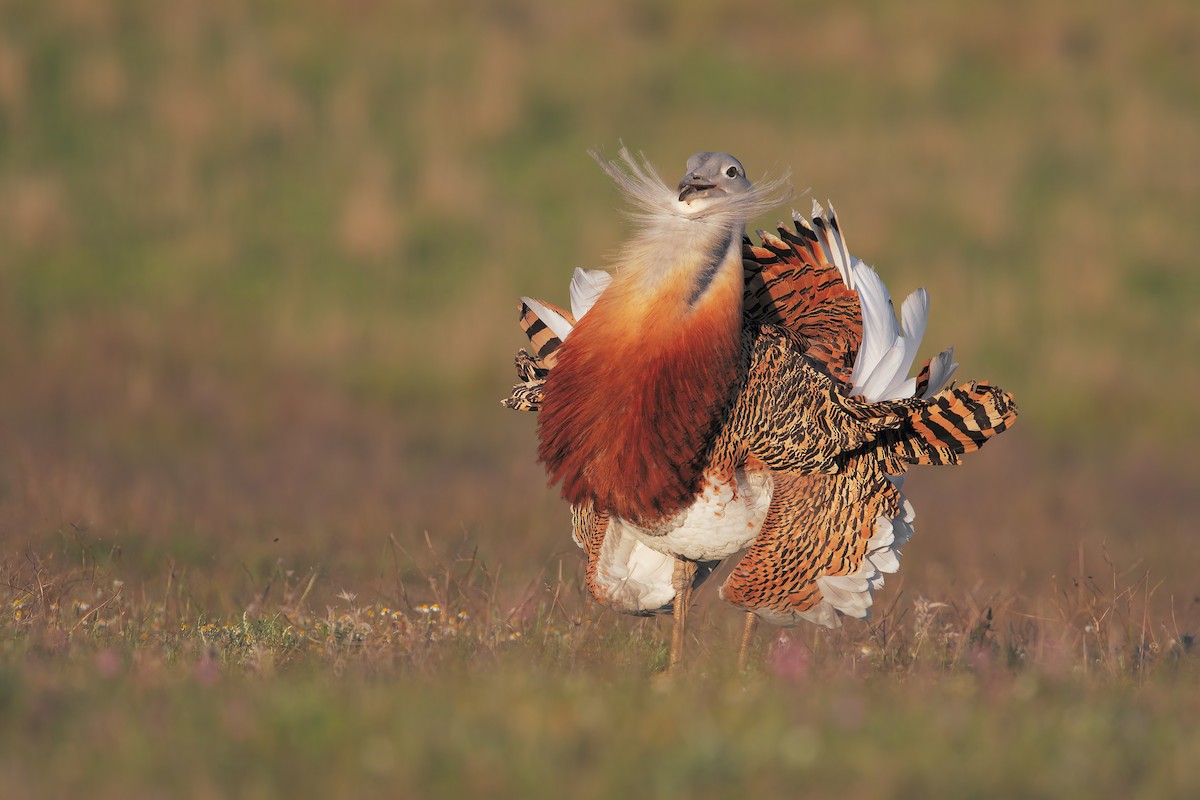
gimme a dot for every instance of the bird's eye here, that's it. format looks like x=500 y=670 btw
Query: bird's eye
x=732 y=172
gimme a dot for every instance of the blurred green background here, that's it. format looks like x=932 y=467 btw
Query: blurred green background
x=259 y=260
x=259 y=264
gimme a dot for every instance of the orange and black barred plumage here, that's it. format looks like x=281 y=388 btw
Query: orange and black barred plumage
x=954 y=422
x=836 y=516
x=818 y=525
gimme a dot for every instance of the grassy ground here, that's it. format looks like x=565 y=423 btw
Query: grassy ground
x=266 y=530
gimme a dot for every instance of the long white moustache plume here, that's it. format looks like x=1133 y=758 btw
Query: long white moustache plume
x=653 y=199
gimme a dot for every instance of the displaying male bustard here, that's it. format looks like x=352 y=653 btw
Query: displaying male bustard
x=710 y=395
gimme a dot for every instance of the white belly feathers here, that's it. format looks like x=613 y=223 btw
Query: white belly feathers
x=724 y=519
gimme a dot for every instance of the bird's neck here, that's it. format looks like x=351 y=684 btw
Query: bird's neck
x=632 y=405
x=678 y=258
x=678 y=283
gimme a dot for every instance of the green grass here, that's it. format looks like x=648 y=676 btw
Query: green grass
x=258 y=269
x=113 y=691
x=530 y=734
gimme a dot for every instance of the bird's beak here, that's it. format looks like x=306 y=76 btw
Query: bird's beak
x=691 y=184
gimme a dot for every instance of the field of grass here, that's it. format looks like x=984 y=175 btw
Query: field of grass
x=266 y=531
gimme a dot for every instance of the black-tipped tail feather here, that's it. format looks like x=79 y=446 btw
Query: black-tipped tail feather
x=953 y=422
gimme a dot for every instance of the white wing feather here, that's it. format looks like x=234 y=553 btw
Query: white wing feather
x=878 y=320
x=586 y=287
x=941 y=369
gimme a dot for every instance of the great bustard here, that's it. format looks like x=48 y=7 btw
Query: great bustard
x=711 y=395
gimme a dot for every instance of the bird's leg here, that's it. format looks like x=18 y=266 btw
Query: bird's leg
x=747 y=639
x=681 y=580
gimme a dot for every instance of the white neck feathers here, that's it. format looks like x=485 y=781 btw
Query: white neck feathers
x=676 y=239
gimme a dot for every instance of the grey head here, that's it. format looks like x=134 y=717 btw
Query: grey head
x=712 y=175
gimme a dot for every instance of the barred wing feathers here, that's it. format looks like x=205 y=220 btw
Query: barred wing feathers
x=547 y=326
x=829 y=539
x=826 y=544
x=791 y=283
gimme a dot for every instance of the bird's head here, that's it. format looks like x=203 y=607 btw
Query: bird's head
x=710 y=176
x=714 y=189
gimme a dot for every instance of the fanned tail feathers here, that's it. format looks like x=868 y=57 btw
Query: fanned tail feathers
x=792 y=283
x=954 y=422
